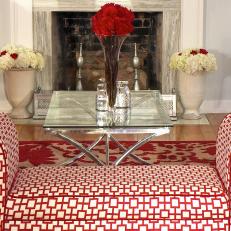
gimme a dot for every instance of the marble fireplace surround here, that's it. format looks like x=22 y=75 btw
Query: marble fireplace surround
x=18 y=22
x=171 y=31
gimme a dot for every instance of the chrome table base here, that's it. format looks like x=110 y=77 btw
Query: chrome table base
x=107 y=137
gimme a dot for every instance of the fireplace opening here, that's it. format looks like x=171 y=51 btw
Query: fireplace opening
x=69 y=29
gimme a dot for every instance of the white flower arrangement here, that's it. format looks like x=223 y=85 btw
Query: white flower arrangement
x=192 y=61
x=19 y=57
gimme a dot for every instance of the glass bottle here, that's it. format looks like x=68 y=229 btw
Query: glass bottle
x=122 y=116
x=123 y=97
x=101 y=97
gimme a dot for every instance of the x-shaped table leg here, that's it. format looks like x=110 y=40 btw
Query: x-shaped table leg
x=158 y=131
x=82 y=148
x=131 y=154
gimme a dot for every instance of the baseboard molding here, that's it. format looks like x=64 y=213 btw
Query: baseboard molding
x=216 y=106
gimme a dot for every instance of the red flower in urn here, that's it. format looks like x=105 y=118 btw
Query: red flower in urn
x=14 y=56
x=203 y=51
x=2 y=53
x=112 y=23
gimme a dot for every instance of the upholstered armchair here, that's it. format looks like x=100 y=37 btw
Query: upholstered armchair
x=156 y=197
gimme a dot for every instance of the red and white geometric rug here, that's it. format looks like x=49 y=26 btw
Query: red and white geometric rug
x=34 y=153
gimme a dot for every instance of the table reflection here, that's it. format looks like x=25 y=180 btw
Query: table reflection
x=118 y=117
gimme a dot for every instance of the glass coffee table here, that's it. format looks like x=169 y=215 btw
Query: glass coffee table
x=74 y=111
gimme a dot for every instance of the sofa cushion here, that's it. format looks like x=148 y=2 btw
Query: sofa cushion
x=120 y=225
x=123 y=192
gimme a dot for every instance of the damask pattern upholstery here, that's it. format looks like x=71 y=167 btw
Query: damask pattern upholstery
x=156 y=197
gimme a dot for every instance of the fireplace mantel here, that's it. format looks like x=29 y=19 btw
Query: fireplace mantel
x=170 y=32
x=94 y=5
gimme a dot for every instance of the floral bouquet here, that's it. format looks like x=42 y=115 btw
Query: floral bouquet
x=192 y=61
x=19 y=57
x=111 y=24
x=112 y=19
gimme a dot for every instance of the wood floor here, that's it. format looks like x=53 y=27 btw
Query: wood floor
x=178 y=132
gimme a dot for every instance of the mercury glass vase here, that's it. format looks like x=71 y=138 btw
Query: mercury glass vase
x=111 y=46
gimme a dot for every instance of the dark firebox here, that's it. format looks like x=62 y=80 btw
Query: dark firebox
x=73 y=28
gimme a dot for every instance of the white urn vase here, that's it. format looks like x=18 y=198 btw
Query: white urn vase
x=19 y=88
x=191 y=92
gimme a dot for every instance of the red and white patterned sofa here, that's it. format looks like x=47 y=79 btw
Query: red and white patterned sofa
x=157 y=197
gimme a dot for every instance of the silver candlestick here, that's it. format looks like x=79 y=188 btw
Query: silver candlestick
x=136 y=63
x=79 y=60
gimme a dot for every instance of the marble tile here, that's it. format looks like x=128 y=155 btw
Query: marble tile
x=170 y=44
x=43 y=42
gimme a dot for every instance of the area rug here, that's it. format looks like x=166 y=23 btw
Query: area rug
x=34 y=153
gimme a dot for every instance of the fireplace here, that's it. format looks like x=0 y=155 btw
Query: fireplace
x=72 y=28
x=63 y=26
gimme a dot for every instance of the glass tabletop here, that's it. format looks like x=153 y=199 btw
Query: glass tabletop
x=76 y=109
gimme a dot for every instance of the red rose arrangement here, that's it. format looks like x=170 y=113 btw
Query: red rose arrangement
x=113 y=19
x=200 y=51
x=111 y=24
x=195 y=52
x=13 y=55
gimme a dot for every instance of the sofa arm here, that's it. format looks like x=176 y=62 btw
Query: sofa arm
x=9 y=159
x=10 y=148
x=223 y=151
x=3 y=177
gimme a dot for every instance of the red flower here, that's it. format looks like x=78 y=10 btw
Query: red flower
x=2 y=53
x=193 y=52
x=113 y=19
x=14 y=56
x=203 y=51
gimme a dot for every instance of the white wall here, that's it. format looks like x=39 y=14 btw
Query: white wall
x=15 y=27
x=192 y=23
x=217 y=39
x=4 y=38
